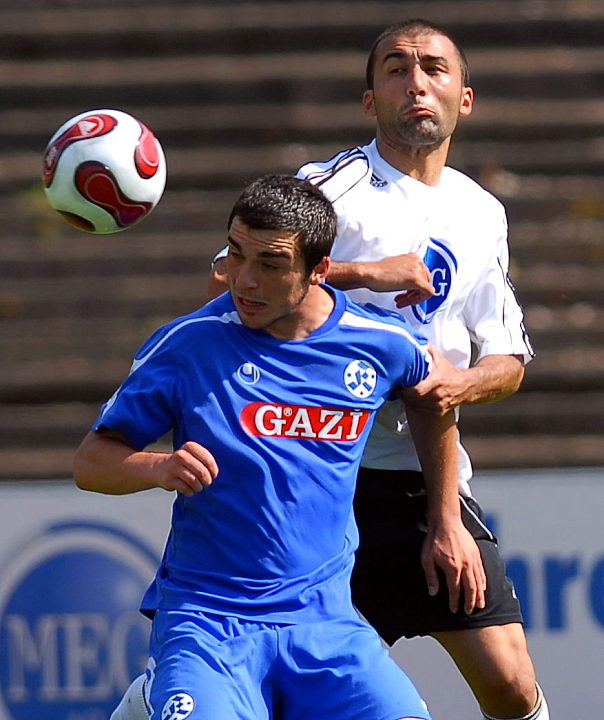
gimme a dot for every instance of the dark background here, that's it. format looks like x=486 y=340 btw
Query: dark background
x=235 y=89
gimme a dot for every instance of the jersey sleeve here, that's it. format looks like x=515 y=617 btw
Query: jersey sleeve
x=339 y=175
x=412 y=361
x=220 y=254
x=142 y=407
x=418 y=362
x=492 y=312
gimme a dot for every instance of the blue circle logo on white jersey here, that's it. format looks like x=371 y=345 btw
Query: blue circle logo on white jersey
x=443 y=267
x=360 y=378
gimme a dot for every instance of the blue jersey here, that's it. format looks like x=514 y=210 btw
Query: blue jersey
x=273 y=537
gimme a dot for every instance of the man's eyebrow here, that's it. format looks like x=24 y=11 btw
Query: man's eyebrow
x=275 y=254
x=263 y=253
x=400 y=55
x=396 y=55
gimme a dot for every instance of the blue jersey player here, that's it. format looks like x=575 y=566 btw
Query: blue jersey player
x=269 y=392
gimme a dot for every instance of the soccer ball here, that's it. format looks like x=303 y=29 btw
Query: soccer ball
x=103 y=171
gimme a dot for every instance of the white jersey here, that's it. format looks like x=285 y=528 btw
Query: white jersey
x=460 y=231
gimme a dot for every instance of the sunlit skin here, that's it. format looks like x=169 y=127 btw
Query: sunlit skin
x=270 y=286
x=417 y=98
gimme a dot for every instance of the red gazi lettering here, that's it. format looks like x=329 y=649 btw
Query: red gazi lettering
x=303 y=421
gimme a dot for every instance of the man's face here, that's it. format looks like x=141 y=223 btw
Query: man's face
x=418 y=94
x=267 y=277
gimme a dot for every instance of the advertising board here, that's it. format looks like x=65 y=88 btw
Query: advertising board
x=74 y=565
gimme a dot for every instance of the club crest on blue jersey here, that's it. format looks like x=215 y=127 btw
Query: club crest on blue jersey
x=360 y=378
x=443 y=267
x=178 y=707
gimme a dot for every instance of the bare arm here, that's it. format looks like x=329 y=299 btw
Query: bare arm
x=400 y=272
x=448 y=544
x=492 y=378
x=106 y=463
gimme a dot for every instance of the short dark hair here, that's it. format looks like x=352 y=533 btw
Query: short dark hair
x=285 y=202
x=415 y=27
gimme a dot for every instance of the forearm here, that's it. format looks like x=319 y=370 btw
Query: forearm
x=448 y=545
x=106 y=464
x=348 y=275
x=494 y=377
x=435 y=440
x=398 y=273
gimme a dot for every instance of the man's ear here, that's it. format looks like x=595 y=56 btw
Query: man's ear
x=318 y=274
x=467 y=101
x=368 y=104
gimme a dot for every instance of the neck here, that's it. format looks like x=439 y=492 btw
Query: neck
x=423 y=163
x=313 y=310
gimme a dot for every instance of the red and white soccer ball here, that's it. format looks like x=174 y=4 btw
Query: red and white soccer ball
x=103 y=171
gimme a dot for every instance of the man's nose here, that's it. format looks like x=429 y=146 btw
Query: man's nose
x=417 y=81
x=246 y=277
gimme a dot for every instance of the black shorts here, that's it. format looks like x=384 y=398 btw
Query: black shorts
x=388 y=582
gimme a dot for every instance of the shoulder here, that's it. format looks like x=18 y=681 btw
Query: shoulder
x=340 y=174
x=458 y=185
x=386 y=338
x=378 y=319
x=207 y=320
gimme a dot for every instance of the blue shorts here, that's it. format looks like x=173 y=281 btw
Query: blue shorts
x=210 y=667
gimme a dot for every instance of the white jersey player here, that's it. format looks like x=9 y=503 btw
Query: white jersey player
x=460 y=232
x=415 y=234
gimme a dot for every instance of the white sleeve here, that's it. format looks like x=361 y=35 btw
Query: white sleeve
x=222 y=253
x=492 y=313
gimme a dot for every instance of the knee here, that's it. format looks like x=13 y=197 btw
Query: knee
x=497 y=666
x=513 y=694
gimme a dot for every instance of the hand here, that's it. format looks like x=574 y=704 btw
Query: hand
x=402 y=272
x=444 y=389
x=456 y=553
x=411 y=297
x=187 y=470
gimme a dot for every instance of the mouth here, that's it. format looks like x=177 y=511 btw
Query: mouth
x=248 y=305
x=415 y=110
